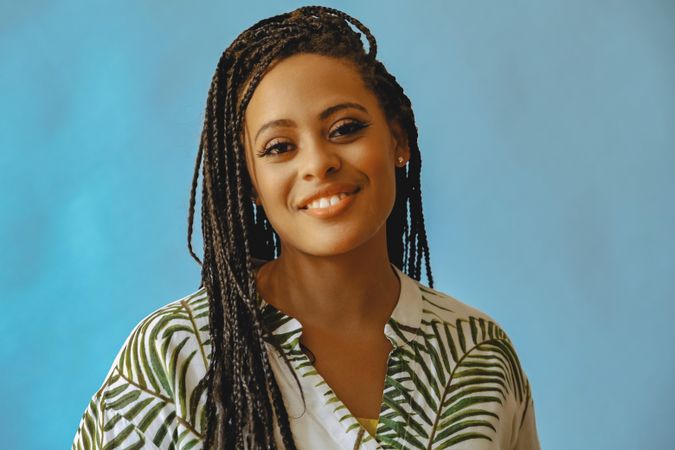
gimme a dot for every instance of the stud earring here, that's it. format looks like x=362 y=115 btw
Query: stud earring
x=255 y=198
x=400 y=161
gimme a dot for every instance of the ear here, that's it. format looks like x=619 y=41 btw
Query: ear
x=401 y=146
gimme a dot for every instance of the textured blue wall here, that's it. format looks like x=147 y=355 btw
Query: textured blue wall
x=549 y=154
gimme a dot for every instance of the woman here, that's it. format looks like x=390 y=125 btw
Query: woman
x=313 y=246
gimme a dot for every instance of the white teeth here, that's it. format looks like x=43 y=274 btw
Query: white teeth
x=325 y=202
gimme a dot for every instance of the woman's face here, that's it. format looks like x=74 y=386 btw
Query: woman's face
x=321 y=155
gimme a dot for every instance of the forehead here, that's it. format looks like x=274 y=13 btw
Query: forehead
x=306 y=84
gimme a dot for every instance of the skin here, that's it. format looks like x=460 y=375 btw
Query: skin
x=333 y=274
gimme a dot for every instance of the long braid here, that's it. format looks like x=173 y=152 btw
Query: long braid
x=243 y=397
x=277 y=402
x=414 y=235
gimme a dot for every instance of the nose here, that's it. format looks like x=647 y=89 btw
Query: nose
x=319 y=159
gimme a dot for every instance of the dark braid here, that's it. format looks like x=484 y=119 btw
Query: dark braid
x=243 y=398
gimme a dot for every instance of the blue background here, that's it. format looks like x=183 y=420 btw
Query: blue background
x=548 y=159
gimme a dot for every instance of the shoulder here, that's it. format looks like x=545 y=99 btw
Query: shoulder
x=440 y=307
x=155 y=389
x=173 y=334
x=167 y=346
x=469 y=360
x=471 y=339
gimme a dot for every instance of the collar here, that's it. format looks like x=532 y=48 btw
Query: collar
x=401 y=328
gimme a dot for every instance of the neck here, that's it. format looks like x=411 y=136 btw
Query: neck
x=351 y=291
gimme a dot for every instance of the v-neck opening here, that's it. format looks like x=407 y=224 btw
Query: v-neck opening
x=401 y=328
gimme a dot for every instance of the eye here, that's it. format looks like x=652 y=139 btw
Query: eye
x=275 y=147
x=347 y=127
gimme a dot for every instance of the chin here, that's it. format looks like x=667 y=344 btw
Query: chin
x=331 y=243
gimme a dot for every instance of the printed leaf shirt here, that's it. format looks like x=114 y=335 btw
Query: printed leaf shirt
x=453 y=381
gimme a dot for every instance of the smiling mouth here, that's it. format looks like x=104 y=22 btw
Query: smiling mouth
x=328 y=201
x=330 y=206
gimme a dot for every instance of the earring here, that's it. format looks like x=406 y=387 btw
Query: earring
x=255 y=198
x=400 y=161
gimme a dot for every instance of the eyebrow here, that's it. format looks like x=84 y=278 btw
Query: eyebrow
x=323 y=116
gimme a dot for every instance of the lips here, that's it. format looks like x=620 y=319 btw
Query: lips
x=333 y=209
x=329 y=191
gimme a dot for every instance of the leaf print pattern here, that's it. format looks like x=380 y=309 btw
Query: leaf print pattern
x=450 y=383
x=453 y=381
x=154 y=395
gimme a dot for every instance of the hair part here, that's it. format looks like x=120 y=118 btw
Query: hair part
x=243 y=399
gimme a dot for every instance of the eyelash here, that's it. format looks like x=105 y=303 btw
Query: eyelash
x=349 y=127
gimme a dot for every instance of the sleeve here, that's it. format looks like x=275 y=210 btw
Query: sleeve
x=89 y=435
x=153 y=396
x=526 y=438
x=111 y=419
x=523 y=428
x=101 y=428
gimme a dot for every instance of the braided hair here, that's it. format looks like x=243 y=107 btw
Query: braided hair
x=243 y=398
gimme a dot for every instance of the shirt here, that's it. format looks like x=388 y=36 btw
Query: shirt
x=453 y=381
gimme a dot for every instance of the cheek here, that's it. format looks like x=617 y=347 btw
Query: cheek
x=273 y=189
x=376 y=162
